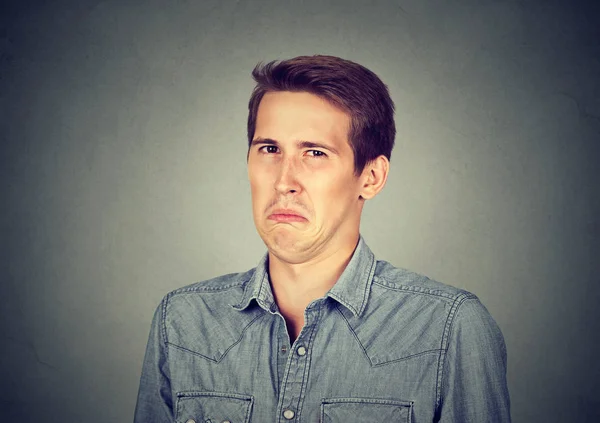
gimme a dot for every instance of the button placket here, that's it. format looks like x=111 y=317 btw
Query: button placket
x=293 y=385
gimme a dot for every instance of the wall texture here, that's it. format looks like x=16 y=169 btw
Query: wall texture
x=123 y=176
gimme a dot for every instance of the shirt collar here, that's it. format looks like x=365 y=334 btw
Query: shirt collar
x=351 y=289
x=354 y=284
x=258 y=288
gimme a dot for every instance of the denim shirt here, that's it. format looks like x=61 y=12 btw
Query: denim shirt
x=383 y=345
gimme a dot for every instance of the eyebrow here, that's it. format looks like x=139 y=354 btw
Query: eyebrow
x=300 y=143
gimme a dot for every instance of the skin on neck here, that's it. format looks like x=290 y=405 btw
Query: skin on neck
x=295 y=286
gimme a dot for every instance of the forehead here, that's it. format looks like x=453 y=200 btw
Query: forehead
x=299 y=115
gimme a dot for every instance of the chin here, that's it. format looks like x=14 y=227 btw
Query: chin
x=286 y=245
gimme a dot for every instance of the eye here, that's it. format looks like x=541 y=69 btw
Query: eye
x=269 y=149
x=317 y=153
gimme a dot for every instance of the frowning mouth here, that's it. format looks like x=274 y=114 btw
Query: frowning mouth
x=286 y=215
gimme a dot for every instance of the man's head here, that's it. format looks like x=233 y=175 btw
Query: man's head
x=320 y=131
x=345 y=84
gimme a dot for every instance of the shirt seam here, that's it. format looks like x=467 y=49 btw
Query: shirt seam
x=163 y=325
x=354 y=335
x=198 y=288
x=167 y=343
x=446 y=342
x=383 y=363
x=419 y=291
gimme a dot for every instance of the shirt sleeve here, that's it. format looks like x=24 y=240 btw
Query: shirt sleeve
x=473 y=380
x=154 y=401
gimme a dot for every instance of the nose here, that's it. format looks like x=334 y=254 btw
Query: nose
x=287 y=177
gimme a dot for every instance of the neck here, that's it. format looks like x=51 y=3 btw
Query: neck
x=295 y=285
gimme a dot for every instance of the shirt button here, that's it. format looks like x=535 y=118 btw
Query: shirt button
x=288 y=414
x=301 y=351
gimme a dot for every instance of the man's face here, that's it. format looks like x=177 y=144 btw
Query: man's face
x=305 y=196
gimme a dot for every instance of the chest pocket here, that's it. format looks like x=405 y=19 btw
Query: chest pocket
x=213 y=407
x=365 y=410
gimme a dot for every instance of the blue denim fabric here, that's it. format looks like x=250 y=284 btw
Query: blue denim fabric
x=384 y=345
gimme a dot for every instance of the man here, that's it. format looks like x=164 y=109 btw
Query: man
x=321 y=331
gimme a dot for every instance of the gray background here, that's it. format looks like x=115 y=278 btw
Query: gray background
x=124 y=176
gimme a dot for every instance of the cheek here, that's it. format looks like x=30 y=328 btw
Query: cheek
x=332 y=199
x=260 y=170
x=260 y=189
x=256 y=192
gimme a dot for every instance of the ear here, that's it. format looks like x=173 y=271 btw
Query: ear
x=374 y=176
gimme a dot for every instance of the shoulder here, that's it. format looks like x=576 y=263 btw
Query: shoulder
x=217 y=292
x=219 y=283
x=407 y=283
x=200 y=319
x=445 y=310
x=407 y=315
x=449 y=311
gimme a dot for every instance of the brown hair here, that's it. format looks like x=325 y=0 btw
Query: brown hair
x=345 y=84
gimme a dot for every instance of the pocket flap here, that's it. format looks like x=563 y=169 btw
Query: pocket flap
x=365 y=410
x=217 y=407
